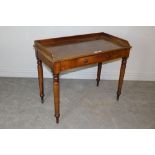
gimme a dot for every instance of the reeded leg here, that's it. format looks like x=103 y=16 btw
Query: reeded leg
x=99 y=73
x=40 y=79
x=121 y=77
x=56 y=96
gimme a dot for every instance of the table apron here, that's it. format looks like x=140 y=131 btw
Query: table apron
x=44 y=58
x=87 y=60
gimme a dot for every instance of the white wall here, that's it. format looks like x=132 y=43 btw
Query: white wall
x=17 y=58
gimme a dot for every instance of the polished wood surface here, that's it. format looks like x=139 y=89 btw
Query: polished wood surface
x=65 y=53
x=121 y=77
x=56 y=96
x=92 y=59
x=40 y=78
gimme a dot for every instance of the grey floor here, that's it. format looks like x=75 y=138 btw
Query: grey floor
x=83 y=105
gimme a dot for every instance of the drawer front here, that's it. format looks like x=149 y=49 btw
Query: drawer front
x=83 y=61
x=94 y=59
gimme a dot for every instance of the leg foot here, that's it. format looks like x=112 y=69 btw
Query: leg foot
x=42 y=99
x=97 y=83
x=118 y=95
x=57 y=118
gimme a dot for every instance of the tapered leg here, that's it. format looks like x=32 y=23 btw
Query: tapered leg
x=99 y=73
x=56 y=96
x=40 y=79
x=121 y=77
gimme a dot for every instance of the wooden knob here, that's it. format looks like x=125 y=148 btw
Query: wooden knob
x=85 y=61
x=107 y=56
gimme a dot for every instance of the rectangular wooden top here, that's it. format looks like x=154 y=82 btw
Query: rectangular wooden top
x=64 y=48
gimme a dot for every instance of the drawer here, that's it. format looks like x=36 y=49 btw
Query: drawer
x=94 y=58
x=87 y=60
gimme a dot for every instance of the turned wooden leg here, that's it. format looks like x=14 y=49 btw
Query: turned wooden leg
x=56 y=96
x=40 y=79
x=99 y=73
x=121 y=77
